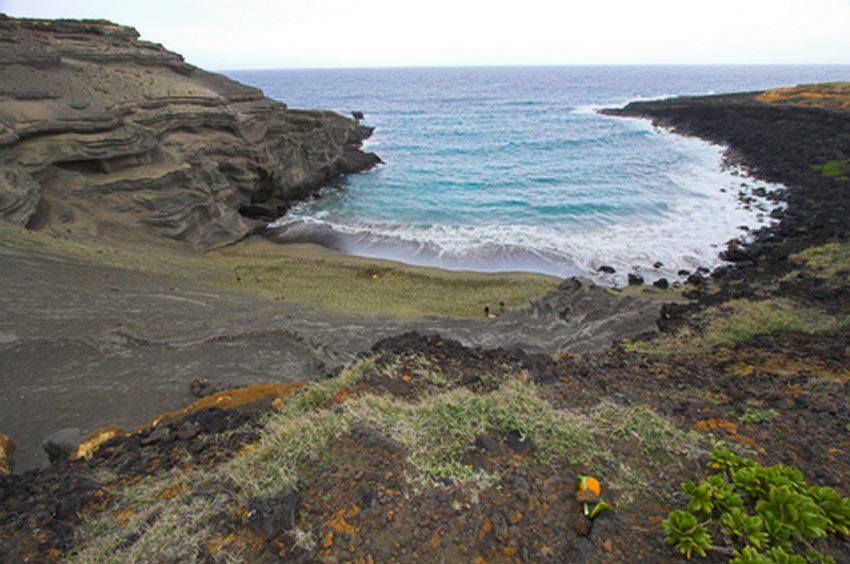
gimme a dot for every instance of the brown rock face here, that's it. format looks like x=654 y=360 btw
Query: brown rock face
x=100 y=131
x=7 y=454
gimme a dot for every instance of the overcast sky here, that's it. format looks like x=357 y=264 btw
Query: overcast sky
x=243 y=34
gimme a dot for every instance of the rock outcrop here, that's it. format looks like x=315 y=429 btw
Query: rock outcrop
x=7 y=454
x=100 y=131
x=778 y=142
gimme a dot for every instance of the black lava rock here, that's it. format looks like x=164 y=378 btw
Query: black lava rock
x=635 y=279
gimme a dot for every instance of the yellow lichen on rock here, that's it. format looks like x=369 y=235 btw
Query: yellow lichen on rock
x=91 y=443
x=229 y=399
x=834 y=95
x=7 y=454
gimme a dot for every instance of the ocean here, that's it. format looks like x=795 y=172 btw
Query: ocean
x=512 y=169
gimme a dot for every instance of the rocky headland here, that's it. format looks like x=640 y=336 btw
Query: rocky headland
x=101 y=132
x=354 y=410
x=780 y=138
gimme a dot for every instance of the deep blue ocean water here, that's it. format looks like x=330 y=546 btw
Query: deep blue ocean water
x=498 y=168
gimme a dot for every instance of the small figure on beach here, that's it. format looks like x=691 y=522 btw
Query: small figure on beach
x=238 y=278
x=501 y=307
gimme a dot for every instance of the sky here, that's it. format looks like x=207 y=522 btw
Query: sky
x=254 y=34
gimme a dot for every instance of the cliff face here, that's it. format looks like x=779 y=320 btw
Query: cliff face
x=101 y=131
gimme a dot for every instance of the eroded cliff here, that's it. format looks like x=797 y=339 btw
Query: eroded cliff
x=101 y=132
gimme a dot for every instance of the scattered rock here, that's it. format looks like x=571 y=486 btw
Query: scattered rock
x=357 y=114
x=696 y=279
x=277 y=514
x=736 y=253
x=605 y=525
x=62 y=443
x=160 y=433
x=658 y=264
x=606 y=269
x=516 y=442
x=200 y=387
x=374 y=438
x=661 y=283
x=486 y=444
x=684 y=272
x=187 y=431
x=635 y=279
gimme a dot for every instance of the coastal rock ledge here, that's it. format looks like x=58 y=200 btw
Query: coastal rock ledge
x=101 y=132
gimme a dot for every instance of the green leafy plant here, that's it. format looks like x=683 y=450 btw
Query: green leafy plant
x=682 y=529
x=767 y=513
x=776 y=555
x=701 y=500
x=750 y=528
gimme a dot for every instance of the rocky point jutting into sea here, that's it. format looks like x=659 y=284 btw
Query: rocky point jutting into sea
x=101 y=131
x=401 y=425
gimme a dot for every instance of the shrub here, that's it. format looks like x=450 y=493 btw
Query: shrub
x=768 y=513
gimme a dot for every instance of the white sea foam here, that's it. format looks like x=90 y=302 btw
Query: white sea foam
x=690 y=235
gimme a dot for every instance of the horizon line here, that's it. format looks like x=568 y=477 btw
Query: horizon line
x=522 y=65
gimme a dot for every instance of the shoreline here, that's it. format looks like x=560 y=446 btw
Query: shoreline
x=745 y=198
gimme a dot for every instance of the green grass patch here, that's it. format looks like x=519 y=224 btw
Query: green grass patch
x=155 y=517
x=740 y=321
x=830 y=261
x=752 y=415
x=435 y=433
x=837 y=169
x=306 y=274
x=380 y=288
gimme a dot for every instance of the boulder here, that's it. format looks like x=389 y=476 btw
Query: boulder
x=277 y=514
x=661 y=283
x=635 y=279
x=696 y=279
x=606 y=269
x=736 y=253
x=62 y=443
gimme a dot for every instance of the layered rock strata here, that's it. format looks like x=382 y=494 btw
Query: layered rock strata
x=101 y=131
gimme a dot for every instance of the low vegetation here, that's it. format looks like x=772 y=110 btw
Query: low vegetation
x=833 y=95
x=302 y=274
x=837 y=169
x=739 y=321
x=176 y=515
x=767 y=514
x=830 y=262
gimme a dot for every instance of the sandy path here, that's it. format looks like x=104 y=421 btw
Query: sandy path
x=86 y=345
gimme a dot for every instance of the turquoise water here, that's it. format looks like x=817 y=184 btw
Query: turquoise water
x=496 y=169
